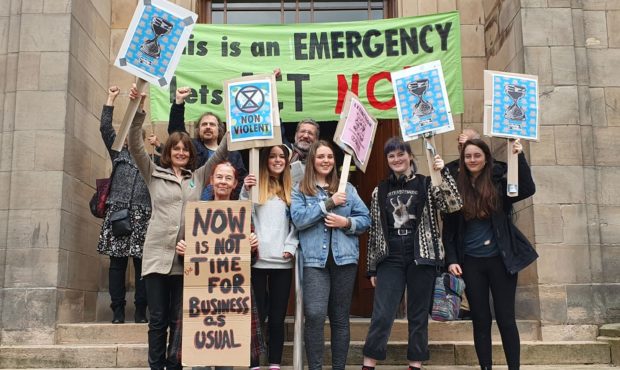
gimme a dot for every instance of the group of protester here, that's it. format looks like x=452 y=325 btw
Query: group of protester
x=300 y=206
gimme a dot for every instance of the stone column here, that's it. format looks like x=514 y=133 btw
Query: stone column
x=32 y=162
x=56 y=49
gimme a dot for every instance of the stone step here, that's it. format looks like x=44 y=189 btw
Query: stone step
x=442 y=353
x=609 y=330
x=106 y=333
x=430 y=367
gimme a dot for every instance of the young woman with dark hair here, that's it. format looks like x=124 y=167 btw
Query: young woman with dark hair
x=485 y=247
x=405 y=250
x=329 y=223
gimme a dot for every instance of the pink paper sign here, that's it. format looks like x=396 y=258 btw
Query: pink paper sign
x=358 y=130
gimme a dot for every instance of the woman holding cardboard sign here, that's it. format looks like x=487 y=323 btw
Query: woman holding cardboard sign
x=171 y=185
x=329 y=223
x=272 y=272
x=485 y=247
x=224 y=182
x=405 y=250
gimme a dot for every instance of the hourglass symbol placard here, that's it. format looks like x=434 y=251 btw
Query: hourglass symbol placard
x=154 y=41
x=422 y=100
x=511 y=105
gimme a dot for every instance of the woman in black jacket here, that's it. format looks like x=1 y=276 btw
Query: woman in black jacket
x=485 y=247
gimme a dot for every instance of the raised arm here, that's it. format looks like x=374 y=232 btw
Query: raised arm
x=107 y=131
x=176 y=123
x=136 y=143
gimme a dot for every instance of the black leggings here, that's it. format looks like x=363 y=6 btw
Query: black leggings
x=271 y=289
x=480 y=274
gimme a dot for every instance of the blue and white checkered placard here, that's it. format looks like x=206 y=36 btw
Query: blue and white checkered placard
x=155 y=40
x=514 y=107
x=422 y=100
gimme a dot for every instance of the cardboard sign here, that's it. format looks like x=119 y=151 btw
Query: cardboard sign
x=356 y=130
x=154 y=41
x=216 y=294
x=252 y=112
x=510 y=105
x=422 y=100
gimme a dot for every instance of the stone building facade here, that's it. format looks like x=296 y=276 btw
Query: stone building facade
x=56 y=63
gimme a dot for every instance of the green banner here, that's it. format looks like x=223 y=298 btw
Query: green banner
x=319 y=63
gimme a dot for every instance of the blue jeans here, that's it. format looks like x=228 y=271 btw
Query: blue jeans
x=396 y=272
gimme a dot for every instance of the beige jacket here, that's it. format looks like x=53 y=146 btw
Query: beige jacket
x=169 y=195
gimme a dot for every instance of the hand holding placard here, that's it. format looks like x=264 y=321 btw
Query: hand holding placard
x=511 y=111
x=155 y=24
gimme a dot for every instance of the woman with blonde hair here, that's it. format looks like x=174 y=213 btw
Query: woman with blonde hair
x=273 y=270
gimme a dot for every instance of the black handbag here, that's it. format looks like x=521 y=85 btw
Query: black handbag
x=121 y=219
x=121 y=222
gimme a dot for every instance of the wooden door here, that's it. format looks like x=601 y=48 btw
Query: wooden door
x=365 y=183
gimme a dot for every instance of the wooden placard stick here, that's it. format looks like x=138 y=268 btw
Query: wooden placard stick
x=429 y=145
x=298 y=341
x=254 y=164
x=513 y=169
x=130 y=113
x=344 y=176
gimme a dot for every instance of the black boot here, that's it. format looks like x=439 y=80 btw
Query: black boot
x=140 y=315
x=485 y=367
x=118 y=314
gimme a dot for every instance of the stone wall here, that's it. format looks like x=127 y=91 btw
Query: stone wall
x=576 y=45
x=51 y=154
x=490 y=39
x=86 y=159
x=35 y=46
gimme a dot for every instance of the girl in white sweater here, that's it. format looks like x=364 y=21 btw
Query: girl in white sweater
x=273 y=270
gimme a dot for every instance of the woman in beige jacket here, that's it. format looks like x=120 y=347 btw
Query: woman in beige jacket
x=171 y=185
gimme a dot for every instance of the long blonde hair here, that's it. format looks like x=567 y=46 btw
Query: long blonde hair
x=308 y=183
x=268 y=185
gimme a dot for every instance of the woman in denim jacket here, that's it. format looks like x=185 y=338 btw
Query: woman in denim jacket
x=329 y=223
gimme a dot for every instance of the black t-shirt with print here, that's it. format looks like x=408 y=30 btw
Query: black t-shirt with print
x=401 y=204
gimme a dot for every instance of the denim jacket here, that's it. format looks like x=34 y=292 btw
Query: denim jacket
x=308 y=212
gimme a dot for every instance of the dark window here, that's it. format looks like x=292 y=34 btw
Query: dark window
x=289 y=11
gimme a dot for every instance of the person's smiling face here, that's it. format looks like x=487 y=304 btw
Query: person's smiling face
x=475 y=160
x=277 y=161
x=179 y=155
x=224 y=181
x=399 y=161
x=324 y=161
